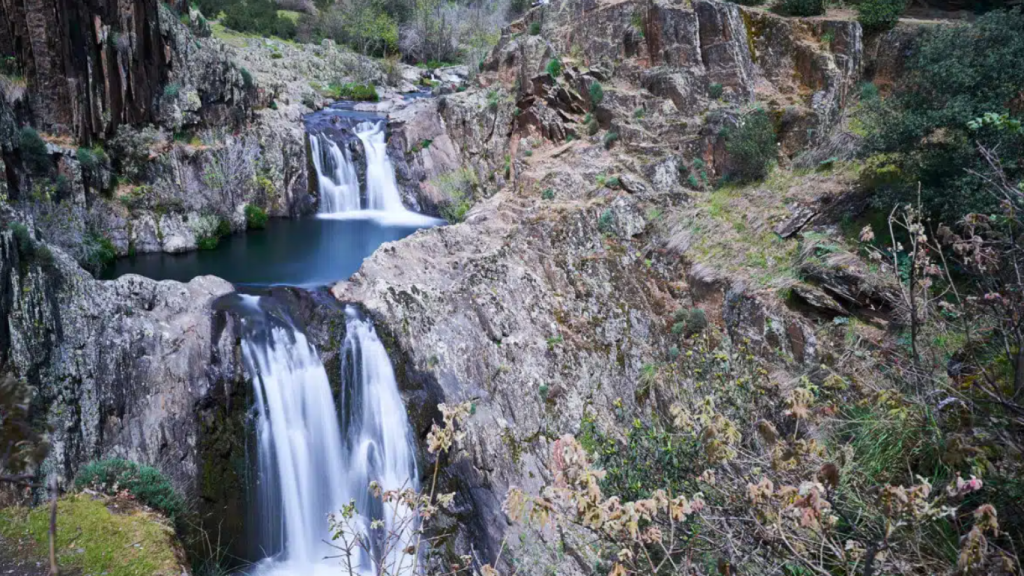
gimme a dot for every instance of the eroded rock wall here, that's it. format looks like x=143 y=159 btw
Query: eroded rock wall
x=120 y=368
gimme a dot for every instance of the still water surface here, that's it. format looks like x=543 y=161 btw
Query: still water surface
x=304 y=252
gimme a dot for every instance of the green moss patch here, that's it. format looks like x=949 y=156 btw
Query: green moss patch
x=98 y=536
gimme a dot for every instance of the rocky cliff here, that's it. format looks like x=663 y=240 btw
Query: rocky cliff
x=554 y=302
x=120 y=368
x=157 y=134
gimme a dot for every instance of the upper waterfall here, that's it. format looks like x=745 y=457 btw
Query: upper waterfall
x=381 y=186
x=336 y=176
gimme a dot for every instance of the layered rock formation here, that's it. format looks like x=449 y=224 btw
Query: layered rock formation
x=554 y=299
x=120 y=368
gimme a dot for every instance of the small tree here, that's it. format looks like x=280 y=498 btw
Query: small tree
x=751 y=145
x=878 y=15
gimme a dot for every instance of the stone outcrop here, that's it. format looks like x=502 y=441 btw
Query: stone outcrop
x=537 y=319
x=95 y=66
x=121 y=368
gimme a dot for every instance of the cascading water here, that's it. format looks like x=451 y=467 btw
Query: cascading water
x=378 y=438
x=310 y=463
x=336 y=176
x=381 y=187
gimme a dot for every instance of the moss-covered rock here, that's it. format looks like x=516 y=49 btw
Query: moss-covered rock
x=98 y=535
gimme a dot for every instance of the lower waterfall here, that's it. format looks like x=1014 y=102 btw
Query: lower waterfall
x=313 y=458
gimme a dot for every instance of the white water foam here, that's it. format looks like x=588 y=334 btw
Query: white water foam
x=310 y=463
x=336 y=176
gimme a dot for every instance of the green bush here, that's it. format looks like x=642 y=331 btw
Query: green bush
x=247 y=79
x=171 y=90
x=955 y=74
x=548 y=194
x=255 y=217
x=23 y=238
x=354 y=91
x=610 y=138
x=99 y=252
x=534 y=28
x=868 y=92
x=554 y=68
x=147 y=484
x=751 y=145
x=649 y=460
x=878 y=15
x=91 y=159
x=596 y=94
x=802 y=7
x=207 y=242
x=33 y=150
x=257 y=17
x=715 y=91
x=689 y=322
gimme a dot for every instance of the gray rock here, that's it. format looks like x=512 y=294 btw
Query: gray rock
x=119 y=366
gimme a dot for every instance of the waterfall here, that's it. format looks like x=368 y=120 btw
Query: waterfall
x=336 y=176
x=339 y=183
x=377 y=432
x=313 y=458
x=381 y=186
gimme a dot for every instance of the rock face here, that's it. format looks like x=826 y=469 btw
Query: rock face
x=121 y=367
x=538 y=319
x=95 y=66
x=194 y=129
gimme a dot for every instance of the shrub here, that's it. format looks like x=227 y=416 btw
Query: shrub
x=751 y=145
x=257 y=17
x=606 y=221
x=146 y=483
x=610 y=138
x=548 y=194
x=649 y=459
x=247 y=79
x=715 y=91
x=23 y=238
x=91 y=159
x=171 y=90
x=955 y=74
x=458 y=186
x=554 y=68
x=534 y=28
x=694 y=322
x=255 y=217
x=878 y=15
x=358 y=92
x=596 y=94
x=207 y=242
x=99 y=252
x=868 y=92
x=33 y=150
x=802 y=7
